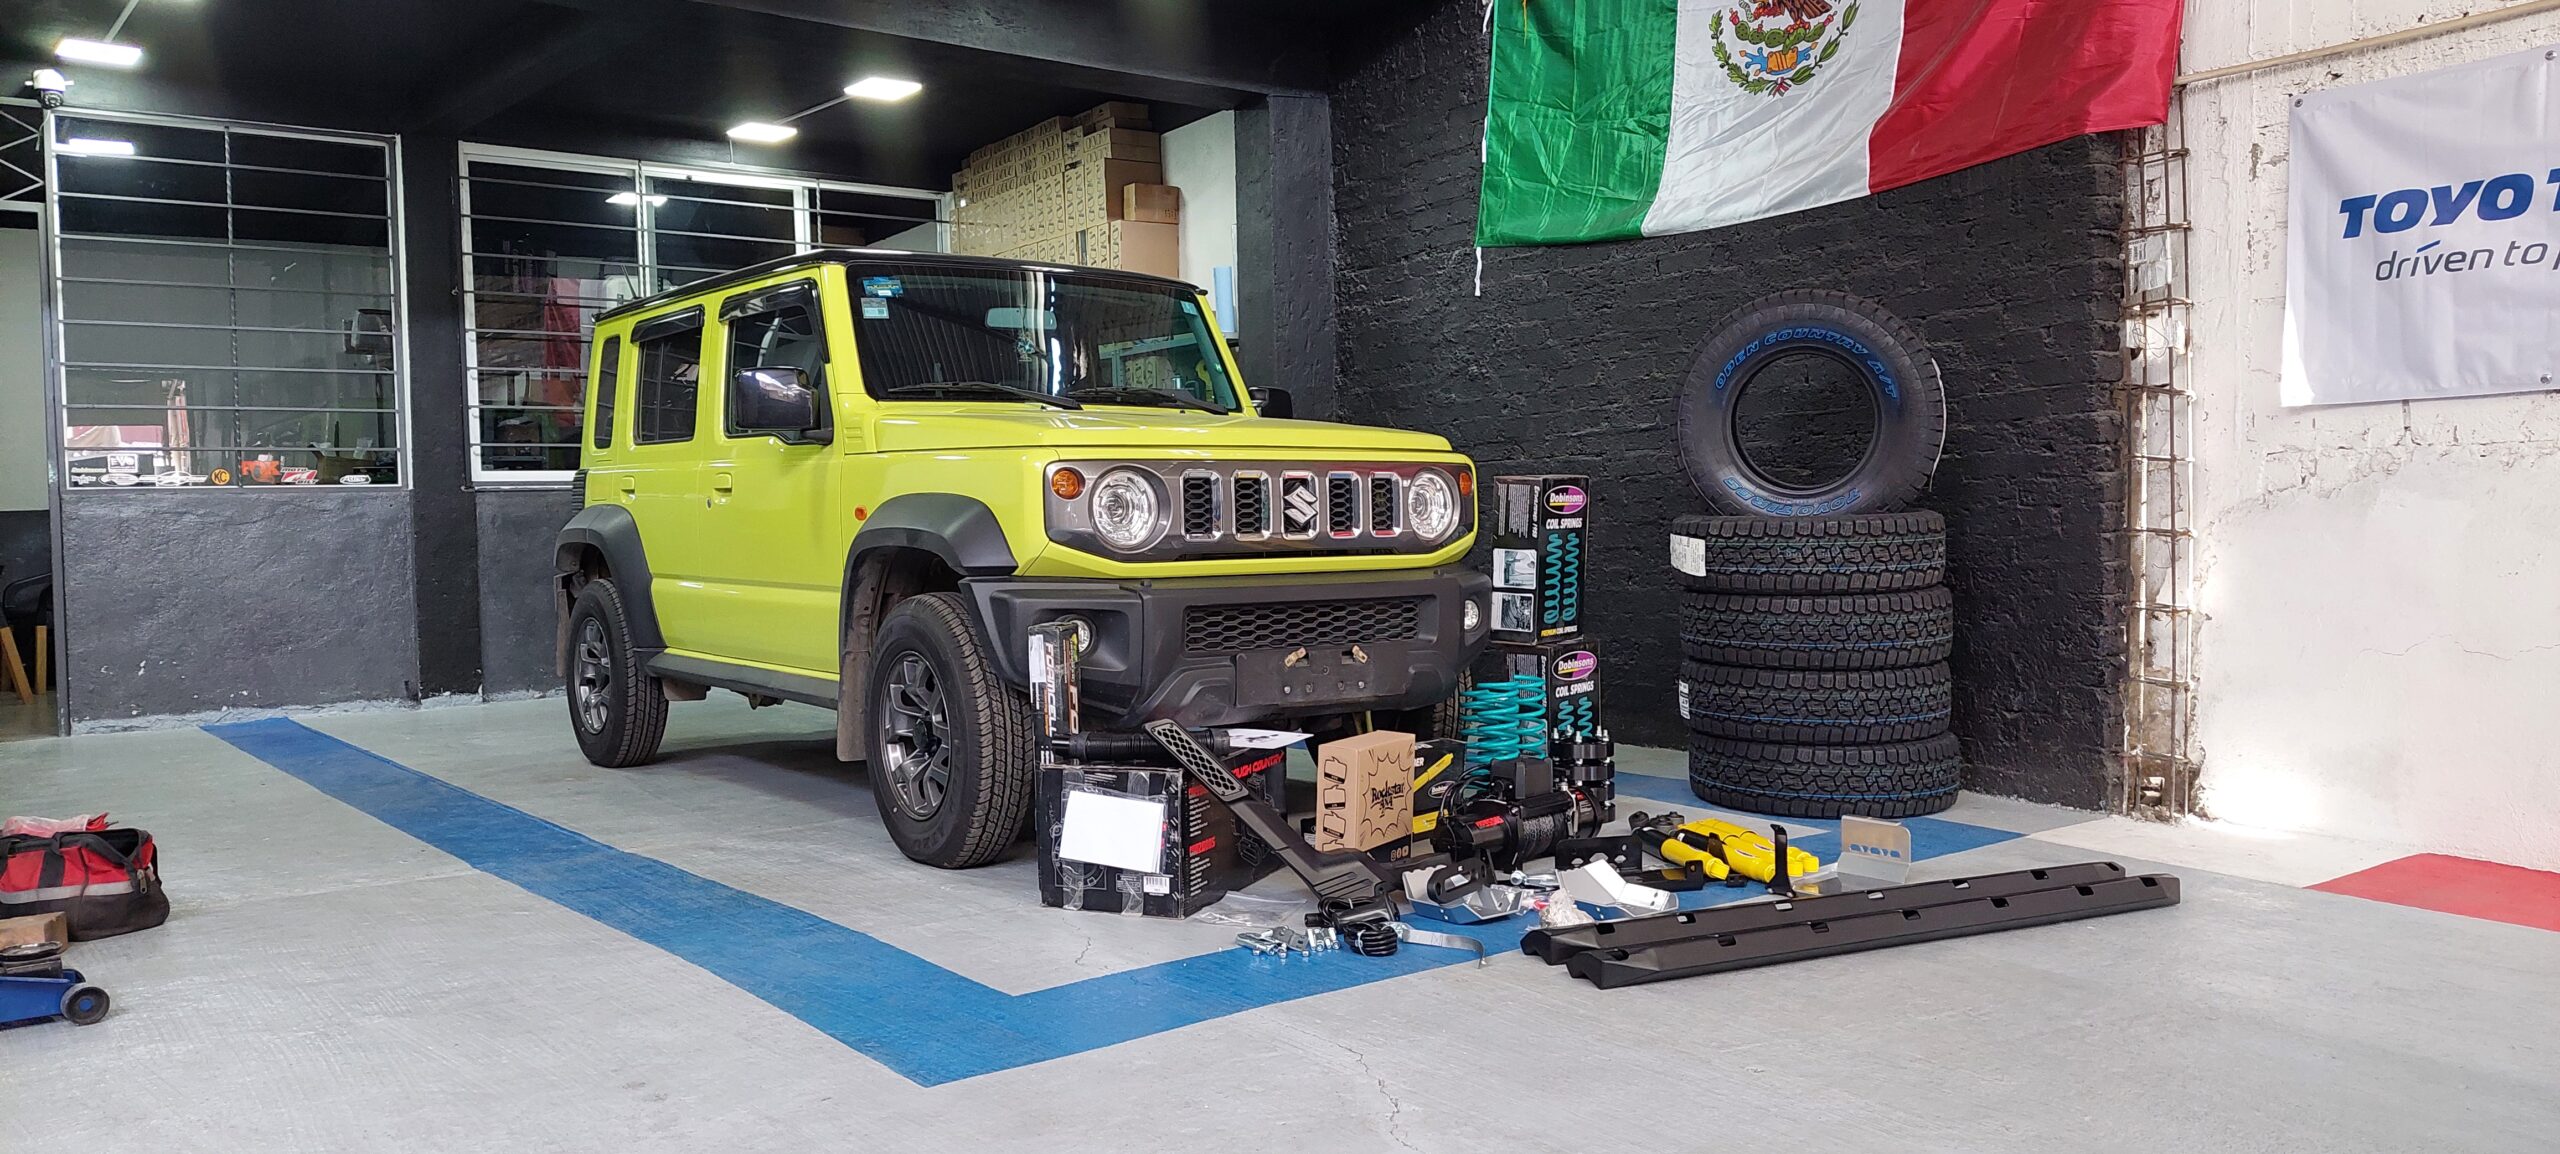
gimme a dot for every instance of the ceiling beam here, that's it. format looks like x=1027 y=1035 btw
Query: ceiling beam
x=476 y=84
x=1187 y=51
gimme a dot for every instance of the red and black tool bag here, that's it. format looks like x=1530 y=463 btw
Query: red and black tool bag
x=105 y=882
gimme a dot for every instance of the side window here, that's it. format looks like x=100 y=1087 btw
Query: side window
x=670 y=378
x=781 y=333
x=608 y=389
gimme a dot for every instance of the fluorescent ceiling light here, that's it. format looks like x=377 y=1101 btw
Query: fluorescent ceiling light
x=758 y=132
x=631 y=198
x=882 y=88
x=92 y=146
x=98 y=52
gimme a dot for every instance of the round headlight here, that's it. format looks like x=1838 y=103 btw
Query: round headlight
x=1126 y=512
x=1431 y=505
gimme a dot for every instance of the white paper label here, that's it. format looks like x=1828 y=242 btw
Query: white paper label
x=1684 y=700
x=1109 y=830
x=1689 y=555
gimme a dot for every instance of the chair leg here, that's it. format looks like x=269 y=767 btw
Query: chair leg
x=44 y=658
x=17 y=671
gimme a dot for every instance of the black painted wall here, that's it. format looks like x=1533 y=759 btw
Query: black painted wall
x=1570 y=361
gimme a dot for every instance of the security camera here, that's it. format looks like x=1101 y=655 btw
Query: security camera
x=50 y=87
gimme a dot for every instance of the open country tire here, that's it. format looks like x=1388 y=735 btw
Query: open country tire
x=1904 y=779
x=950 y=747
x=1883 y=355
x=1864 y=553
x=1819 y=706
x=616 y=708
x=1856 y=631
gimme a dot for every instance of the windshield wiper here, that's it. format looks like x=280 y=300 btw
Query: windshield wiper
x=1158 y=398
x=1009 y=392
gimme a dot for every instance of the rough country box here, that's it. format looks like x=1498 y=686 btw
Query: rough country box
x=1538 y=548
x=1203 y=855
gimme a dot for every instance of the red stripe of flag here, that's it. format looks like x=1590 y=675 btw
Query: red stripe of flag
x=1984 y=79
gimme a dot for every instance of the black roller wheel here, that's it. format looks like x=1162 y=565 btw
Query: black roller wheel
x=84 y=1005
x=617 y=709
x=1858 y=631
x=1902 y=779
x=951 y=748
x=1819 y=706
x=1895 y=399
x=1871 y=553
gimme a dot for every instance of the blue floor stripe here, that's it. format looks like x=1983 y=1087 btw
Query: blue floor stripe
x=927 y=1023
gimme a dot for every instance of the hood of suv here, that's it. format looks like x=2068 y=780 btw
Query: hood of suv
x=993 y=425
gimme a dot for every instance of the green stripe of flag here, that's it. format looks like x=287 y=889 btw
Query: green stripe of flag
x=1576 y=120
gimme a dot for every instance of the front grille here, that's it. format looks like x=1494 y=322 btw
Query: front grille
x=1289 y=625
x=1253 y=505
x=1199 y=506
x=1342 y=504
x=1382 y=504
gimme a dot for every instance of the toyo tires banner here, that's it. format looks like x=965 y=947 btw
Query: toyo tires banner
x=2424 y=250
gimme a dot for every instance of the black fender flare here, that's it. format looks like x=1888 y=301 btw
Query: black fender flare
x=962 y=531
x=609 y=530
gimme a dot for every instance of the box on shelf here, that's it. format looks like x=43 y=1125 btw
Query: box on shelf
x=1364 y=791
x=1200 y=854
x=1151 y=203
x=1112 y=114
x=1154 y=249
x=1115 y=144
x=1540 y=551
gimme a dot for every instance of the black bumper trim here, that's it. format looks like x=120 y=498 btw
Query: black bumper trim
x=1139 y=670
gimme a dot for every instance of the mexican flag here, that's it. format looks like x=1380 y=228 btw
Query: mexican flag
x=1610 y=119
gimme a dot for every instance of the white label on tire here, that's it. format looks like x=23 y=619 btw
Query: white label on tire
x=1684 y=691
x=1689 y=555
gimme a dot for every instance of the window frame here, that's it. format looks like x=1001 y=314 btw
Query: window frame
x=809 y=218
x=692 y=320
x=601 y=405
x=803 y=294
x=52 y=278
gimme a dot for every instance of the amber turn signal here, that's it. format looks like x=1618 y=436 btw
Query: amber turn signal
x=1067 y=484
x=1466 y=482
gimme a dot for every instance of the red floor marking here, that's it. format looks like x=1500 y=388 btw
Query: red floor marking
x=2459 y=885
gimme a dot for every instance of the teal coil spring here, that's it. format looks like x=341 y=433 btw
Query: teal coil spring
x=1505 y=720
x=1576 y=720
x=1563 y=563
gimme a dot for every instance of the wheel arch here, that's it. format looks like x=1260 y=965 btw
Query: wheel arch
x=603 y=541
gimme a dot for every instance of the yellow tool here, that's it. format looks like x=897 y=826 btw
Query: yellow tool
x=1750 y=854
x=1667 y=844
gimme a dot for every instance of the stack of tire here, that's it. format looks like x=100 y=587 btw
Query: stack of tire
x=1814 y=628
x=1815 y=678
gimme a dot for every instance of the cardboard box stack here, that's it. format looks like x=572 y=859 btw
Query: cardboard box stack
x=1085 y=190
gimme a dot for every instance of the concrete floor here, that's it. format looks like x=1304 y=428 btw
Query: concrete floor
x=330 y=983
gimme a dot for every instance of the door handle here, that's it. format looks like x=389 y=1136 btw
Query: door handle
x=629 y=485
x=723 y=482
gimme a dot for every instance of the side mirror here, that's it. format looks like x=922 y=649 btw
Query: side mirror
x=775 y=402
x=1272 y=403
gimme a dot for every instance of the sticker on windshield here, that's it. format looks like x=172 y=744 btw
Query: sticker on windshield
x=882 y=286
x=1191 y=308
x=874 y=309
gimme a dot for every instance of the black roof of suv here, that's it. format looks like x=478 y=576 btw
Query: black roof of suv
x=691 y=289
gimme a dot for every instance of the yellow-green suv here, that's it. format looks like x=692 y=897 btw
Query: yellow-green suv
x=855 y=478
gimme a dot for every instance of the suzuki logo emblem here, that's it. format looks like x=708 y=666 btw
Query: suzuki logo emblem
x=1301 y=500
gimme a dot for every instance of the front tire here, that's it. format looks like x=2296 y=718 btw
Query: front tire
x=950 y=747
x=617 y=709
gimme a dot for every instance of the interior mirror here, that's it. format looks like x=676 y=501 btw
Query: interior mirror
x=777 y=402
x=1009 y=317
x=1272 y=403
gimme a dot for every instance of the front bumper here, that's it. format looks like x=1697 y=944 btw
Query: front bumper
x=1231 y=650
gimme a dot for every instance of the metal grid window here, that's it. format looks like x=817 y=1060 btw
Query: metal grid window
x=550 y=240
x=228 y=309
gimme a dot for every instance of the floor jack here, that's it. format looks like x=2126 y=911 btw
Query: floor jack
x=34 y=987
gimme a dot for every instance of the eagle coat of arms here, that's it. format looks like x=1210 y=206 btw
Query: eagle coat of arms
x=1782 y=43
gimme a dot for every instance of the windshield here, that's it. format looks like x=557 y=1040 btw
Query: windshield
x=934 y=330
